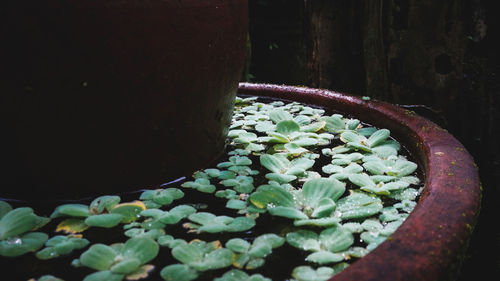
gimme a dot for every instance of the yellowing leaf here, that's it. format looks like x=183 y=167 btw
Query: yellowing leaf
x=72 y=226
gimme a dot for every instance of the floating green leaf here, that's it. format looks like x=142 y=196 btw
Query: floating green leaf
x=103 y=203
x=104 y=220
x=19 y=221
x=22 y=244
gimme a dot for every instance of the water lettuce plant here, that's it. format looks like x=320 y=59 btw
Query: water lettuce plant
x=16 y=230
x=208 y=222
x=61 y=245
x=104 y=211
x=252 y=255
x=282 y=169
x=160 y=197
x=315 y=200
x=238 y=275
x=197 y=256
x=117 y=261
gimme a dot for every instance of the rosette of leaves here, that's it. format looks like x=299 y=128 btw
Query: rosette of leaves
x=307 y=273
x=241 y=184
x=158 y=219
x=238 y=202
x=105 y=211
x=313 y=204
x=368 y=184
x=327 y=247
x=208 y=222
x=378 y=143
x=235 y=163
x=343 y=159
x=120 y=260
x=196 y=257
x=238 y=275
x=157 y=198
x=338 y=124
x=284 y=170
x=340 y=172
x=155 y=234
x=246 y=140
x=288 y=133
x=200 y=184
x=358 y=205
x=374 y=232
x=61 y=245
x=16 y=230
x=393 y=167
x=340 y=149
x=252 y=255
x=213 y=173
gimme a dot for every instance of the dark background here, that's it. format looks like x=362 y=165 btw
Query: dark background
x=438 y=58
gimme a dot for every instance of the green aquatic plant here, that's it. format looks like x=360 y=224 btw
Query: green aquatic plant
x=336 y=123
x=160 y=197
x=252 y=255
x=200 y=184
x=378 y=143
x=340 y=172
x=120 y=260
x=16 y=230
x=393 y=166
x=60 y=245
x=368 y=184
x=196 y=257
x=307 y=273
x=327 y=247
x=159 y=219
x=47 y=278
x=208 y=222
x=238 y=275
x=241 y=184
x=358 y=205
x=284 y=170
x=313 y=204
x=105 y=211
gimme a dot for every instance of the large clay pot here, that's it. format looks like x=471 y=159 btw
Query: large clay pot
x=431 y=243
x=99 y=97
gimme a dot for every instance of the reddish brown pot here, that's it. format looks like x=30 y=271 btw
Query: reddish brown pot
x=103 y=96
x=429 y=245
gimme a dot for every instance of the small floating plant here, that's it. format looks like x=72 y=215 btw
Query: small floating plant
x=325 y=187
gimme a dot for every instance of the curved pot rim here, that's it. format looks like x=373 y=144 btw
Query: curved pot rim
x=430 y=244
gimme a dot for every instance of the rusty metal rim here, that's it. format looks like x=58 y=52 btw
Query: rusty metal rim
x=430 y=243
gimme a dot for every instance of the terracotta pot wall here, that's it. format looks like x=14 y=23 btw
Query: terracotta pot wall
x=105 y=96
